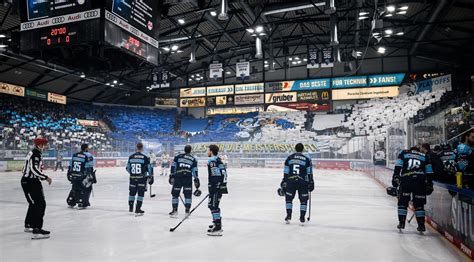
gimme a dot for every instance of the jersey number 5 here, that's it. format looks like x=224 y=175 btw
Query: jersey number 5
x=296 y=170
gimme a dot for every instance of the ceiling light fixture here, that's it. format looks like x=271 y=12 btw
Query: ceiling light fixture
x=391 y=8
x=181 y=21
x=381 y=50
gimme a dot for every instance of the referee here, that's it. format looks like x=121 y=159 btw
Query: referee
x=31 y=184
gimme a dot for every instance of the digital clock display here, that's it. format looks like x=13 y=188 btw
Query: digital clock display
x=134 y=45
x=62 y=35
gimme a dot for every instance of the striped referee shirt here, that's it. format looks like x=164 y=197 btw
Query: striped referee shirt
x=33 y=165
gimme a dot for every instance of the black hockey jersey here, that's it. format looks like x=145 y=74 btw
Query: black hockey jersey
x=184 y=165
x=139 y=165
x=298 y=167
x=412 y=164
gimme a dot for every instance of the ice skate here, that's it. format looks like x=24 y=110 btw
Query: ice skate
x=40 y=234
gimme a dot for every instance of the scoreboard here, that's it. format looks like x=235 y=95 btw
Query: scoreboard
x=128 y=25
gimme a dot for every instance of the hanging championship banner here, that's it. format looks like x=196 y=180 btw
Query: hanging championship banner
x=164 y=79
x=249 y=88
x=215 y=71
x=313 y=58
x=220 y=90
x=192 y=102
x=192 y=92
x=274 y=98
x=328 y=59
x=249 y=99
x=242 y=70
x=298 y=85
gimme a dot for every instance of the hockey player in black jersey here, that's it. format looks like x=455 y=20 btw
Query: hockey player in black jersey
x=141 y=170
x=81 y=174
x=217 y=186
x=184 y=171
x=297 y=176
x=410 y=176
x=31 y=185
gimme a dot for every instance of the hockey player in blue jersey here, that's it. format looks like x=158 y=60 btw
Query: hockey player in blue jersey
x=141 y=170
x=184 y=171
x=81 y=174
x=217 y=186
x=412 y=169
x=464 y=160
x=297 y=176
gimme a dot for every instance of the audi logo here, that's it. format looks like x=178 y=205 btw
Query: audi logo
x=91 y=14
x=111 y=17
x=57 y=20
x=28 y=25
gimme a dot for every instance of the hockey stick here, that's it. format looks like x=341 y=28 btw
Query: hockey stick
x=411 y=218
x=182 y=201
x=309 y=211
x=152 y=195
x=186 y=217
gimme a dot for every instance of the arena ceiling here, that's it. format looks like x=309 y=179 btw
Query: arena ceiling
x=428 y=36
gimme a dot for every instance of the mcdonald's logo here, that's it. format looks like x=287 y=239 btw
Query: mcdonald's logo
x=325 y=95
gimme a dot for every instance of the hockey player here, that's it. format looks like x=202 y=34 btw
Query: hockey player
x=184 y=171
x=81 y=174
x=465 y=160
x=297 y=176
x=153 y=159
x=447 y=156
x=140 y=169
x=31 y=185
x=217 y=186
x=410 y=176
x=165 y=163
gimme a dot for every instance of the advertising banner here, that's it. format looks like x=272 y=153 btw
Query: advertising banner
x=451 y=212
x=166 y=102
x=249 y=88
x=364 y=93
x=56 y=98
x=367 y=81
x=313 y=58
x=299 y=107
x=249 y=99
x=220 y=90
x=215 y=71
x=105 y=162
x=343 y=165
x=192 y=102
x=10 y=89
x=386 y=80
x=242 y=70
x=319 y=95
x=192 y=92
x=36 y=94
x=298 y=85
x=275 y=98
x=233 y=110
x=347 y=82
x=15 y=165
x=220 y=100
x=434 y=84
x=85 y=122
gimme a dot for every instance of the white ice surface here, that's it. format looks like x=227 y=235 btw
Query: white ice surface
x=352 y=220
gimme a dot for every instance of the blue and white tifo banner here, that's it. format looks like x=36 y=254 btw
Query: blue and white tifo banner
x=366 y=81
x=434 y=84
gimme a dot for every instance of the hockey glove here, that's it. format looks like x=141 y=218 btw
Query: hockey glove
x=392 y=191
x=151 y=180
x=283 y=185
x=197 y=183
x=311 y=186
x=428 y=188
x=197 y=193
x=395 y=181
x=69 y=176
x=223 y=188
x=280 y=192
x=171 y=180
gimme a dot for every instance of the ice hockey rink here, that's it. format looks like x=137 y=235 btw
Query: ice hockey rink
x=352 y=220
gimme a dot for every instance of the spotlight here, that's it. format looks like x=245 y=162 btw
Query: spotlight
x=381 y=50
x=174 y=47
x=3 y=35
x=213 y=13
x=388 y=31
x=82 y=75
x=250 y=30
x=402 y=13
x=400 y=33
x=390 y=8
x=181 y=21
x=259 y=29
x=363 y=17
x=403 y=8
x=115 y=81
